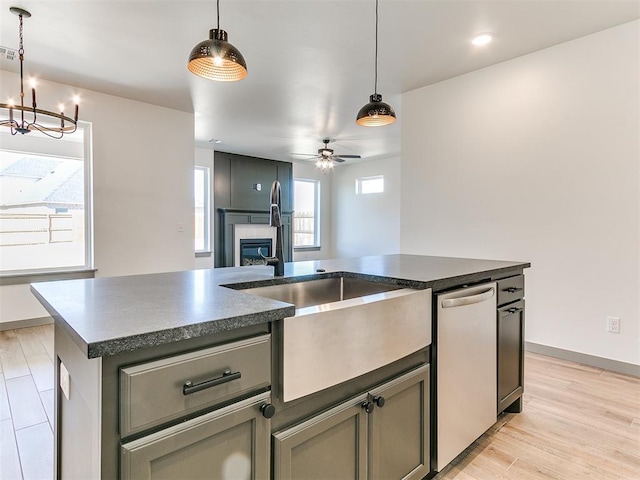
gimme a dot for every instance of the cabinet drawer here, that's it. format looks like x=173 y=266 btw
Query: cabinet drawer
x=510 y=289
x=157 y=392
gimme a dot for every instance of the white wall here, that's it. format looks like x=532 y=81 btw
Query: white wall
x=537 y=159
x=143 y=159
x=310 y=172
x=366 y=224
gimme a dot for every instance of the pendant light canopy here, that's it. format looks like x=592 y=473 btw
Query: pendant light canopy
x=376 y=113
x=216 y=58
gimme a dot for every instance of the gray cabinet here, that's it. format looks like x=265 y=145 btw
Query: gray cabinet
x=399 y=434
x=330 y=445
x=229 y=443
x=383 y=433
x=155 y=393
x=510 y=344
x=232 y=442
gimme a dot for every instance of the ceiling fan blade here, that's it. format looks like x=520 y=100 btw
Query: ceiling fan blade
x=337 y=159
x=305 y=154
x=347 y=156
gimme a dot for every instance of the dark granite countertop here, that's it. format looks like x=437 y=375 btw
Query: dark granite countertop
x=110 y=315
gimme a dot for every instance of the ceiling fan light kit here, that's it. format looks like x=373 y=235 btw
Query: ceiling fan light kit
x=326 y=159
x=56 y=124
x=376 y=113
x=325 y=164
x=217 y=59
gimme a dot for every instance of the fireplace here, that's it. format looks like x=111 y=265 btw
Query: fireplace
x=241 y=225
x=249 y=250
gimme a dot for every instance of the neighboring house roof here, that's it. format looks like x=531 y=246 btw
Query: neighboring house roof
x=59 y=183
x=31 y=167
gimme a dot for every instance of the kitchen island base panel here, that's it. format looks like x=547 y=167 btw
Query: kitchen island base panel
x=77 y=420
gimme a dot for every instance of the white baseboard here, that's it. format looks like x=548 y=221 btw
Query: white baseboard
x=29 y=322
x=586 y=359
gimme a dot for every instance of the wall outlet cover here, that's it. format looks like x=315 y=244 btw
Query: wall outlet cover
x=64 y=381
x=613 y=324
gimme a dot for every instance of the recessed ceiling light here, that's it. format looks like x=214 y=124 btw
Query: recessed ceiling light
x=215 y=140
x=482 y=39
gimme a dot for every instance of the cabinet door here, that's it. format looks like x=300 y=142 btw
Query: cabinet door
x=510 y=356
x=230 y=443
x=332 y=445
x=399 y=431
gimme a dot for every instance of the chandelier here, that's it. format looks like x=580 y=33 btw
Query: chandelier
x=24 y=119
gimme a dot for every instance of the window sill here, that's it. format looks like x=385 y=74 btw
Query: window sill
x=34 y=277
x=312 y=248
x=203 y=254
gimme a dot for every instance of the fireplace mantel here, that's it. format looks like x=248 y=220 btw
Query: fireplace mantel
x=229 y=217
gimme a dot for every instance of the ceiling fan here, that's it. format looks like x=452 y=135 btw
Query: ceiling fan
x=326 y=157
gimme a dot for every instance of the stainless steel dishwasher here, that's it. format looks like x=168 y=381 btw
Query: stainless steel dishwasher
x=466 y=368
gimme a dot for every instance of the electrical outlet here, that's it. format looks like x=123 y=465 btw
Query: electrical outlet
x=64 y=380
x=613 y=324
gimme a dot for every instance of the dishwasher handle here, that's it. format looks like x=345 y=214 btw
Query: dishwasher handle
x=470 y=300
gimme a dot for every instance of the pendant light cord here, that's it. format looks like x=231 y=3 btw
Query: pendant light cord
x=218 y=12
x=375 y=85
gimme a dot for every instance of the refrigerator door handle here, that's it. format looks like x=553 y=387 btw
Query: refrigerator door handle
x=470 y=300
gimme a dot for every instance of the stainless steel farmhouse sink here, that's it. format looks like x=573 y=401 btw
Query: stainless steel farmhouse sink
x=324 y=290
x=345 y=327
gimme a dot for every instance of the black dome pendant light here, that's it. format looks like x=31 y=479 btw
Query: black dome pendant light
x=376 y=113
x=216 y=58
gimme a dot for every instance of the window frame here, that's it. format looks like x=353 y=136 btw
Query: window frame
x=361 y=180
x=206 y=251
x=30 y=275
x=316 y=224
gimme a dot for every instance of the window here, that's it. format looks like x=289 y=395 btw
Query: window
x=306 y=221
x=202 y=193
x=45 y=204
x=366 y=185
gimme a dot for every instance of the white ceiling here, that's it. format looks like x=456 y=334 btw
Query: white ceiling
x=310 y=62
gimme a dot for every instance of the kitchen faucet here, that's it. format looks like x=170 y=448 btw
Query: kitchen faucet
x=275 y=220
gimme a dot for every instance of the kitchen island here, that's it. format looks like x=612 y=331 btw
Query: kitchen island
x=119 y=337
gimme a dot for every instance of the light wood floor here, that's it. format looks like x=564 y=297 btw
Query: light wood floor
x=579 y=422
x=26 y=403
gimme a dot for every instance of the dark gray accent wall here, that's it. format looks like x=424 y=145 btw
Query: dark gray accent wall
x=235 y=187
